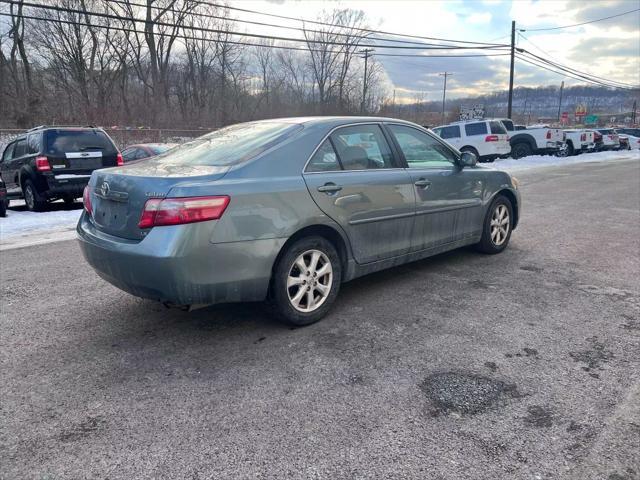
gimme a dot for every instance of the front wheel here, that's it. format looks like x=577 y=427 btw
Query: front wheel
x=306 y=281
x=498 y=223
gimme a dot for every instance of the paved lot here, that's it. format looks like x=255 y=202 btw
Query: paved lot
x=523 y=365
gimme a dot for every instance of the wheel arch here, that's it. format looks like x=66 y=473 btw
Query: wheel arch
x=514 y=203
x=523 y=138
x=330 y=233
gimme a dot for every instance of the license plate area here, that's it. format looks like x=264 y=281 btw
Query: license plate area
x=85 y=163
x=111 y=215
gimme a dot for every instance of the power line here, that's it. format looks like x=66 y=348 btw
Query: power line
x=317 y=22
x=213 y=40
x=578 y=24
x=439 y=56
x=556 y=63
x=579 y=73
x=264 y=24
x=235 y=33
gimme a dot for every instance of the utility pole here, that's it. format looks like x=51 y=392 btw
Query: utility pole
x=513 y=59
x=560 y=103
x=367 y=53
x=633 y=112
x=444 y=91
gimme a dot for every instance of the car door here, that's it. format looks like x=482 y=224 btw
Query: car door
x=448 y=198
x=18 y=159
x=7 y=173
x=354 y=179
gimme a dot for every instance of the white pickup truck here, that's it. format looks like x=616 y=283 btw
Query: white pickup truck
x=535 y=139
x=578 y=141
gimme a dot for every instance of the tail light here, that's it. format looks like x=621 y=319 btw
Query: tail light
x=86 y=200
x=42 y=164
x=491 y=138
x=119 y=160
x=583 y=137
x=548 y=134
x=176 y=211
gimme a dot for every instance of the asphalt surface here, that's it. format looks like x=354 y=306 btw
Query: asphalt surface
x=524 y=365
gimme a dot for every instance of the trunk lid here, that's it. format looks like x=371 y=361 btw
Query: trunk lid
x=118 y=195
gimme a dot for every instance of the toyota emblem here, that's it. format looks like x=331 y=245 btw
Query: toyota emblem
x=104 y=189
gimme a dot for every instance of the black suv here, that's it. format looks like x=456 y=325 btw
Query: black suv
x=50 y=163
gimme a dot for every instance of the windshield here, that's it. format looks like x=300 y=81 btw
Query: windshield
x=229 y=145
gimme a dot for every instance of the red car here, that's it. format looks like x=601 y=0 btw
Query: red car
x=145 y=150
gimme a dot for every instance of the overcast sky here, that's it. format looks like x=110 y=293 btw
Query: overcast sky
x=608 y=49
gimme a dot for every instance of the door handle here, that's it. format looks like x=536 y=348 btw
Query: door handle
x=329 y=188
x=424 y=183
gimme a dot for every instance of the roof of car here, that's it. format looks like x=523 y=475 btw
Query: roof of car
x=337 y=120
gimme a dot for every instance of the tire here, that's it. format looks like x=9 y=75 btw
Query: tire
x=3 y=208
x=520 y=150
x=568 y=151
x=283 y=298
x=32 y=198
x=489 y=243
x=472 y=150
x=68 y=200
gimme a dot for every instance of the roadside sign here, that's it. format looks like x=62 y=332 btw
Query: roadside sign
x=565 y=117
x=591 y=119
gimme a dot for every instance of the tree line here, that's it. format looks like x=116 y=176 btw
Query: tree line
x=179 y=68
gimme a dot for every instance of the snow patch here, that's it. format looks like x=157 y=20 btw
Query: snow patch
x=541 y=161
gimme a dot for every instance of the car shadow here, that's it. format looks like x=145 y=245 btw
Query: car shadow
x=57 y=206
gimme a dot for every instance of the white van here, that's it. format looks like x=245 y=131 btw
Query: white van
x=488 y=139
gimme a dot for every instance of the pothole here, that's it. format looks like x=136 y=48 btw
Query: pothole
x=464 y=393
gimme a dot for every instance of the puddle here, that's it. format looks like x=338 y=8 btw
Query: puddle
x=465 y=393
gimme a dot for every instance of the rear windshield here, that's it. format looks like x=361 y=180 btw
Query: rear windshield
x=229 y=145
x=497 y=127
x=66 y=141
x=158 y=149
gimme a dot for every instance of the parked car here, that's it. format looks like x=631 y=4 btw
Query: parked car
x=610 y=139
x=4 y=201
x=486 y=139
x=287 y=210
x=624 y=142
x=536 y=139
x=578 y=141
x=633 y=134
x=145 y=150
x=597 y=140
x=51 y=163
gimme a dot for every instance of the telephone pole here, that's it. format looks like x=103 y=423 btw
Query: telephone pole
x=513 y=59
x=560 y=103
x=367 y=53
x=444 y=91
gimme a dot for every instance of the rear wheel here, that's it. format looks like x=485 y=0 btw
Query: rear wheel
x=68 y=200
x=498 y=223
x=4 y=204
x=520 y=150
x=567 y=151
x=306 y=281
x=32 y=198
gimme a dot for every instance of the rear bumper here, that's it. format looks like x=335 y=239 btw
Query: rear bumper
x=178 y=264
x=65 y=185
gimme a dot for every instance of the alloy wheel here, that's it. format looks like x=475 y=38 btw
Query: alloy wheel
x=500 y=225
x=29 y=197
x=309 y=281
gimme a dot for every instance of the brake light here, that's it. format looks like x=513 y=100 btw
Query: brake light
x=176 y=211
x=491 y=138
x=86 y=200
x=42 y=164
x=119 y=160
x=583 y=137
x=548 y=134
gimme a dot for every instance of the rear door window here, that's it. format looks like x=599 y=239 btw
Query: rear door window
x=362 y=147
x=20 y=148
x=479 y=128
x=450 y=132
x=497 y=128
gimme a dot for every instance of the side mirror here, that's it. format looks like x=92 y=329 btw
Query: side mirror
x=468 y=159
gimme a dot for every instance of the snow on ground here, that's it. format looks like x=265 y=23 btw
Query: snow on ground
x=22 y=228
x=541 y=161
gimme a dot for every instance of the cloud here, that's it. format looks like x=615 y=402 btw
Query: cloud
x=479 y=18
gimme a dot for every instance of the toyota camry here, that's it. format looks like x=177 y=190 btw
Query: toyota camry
x=287 y=210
